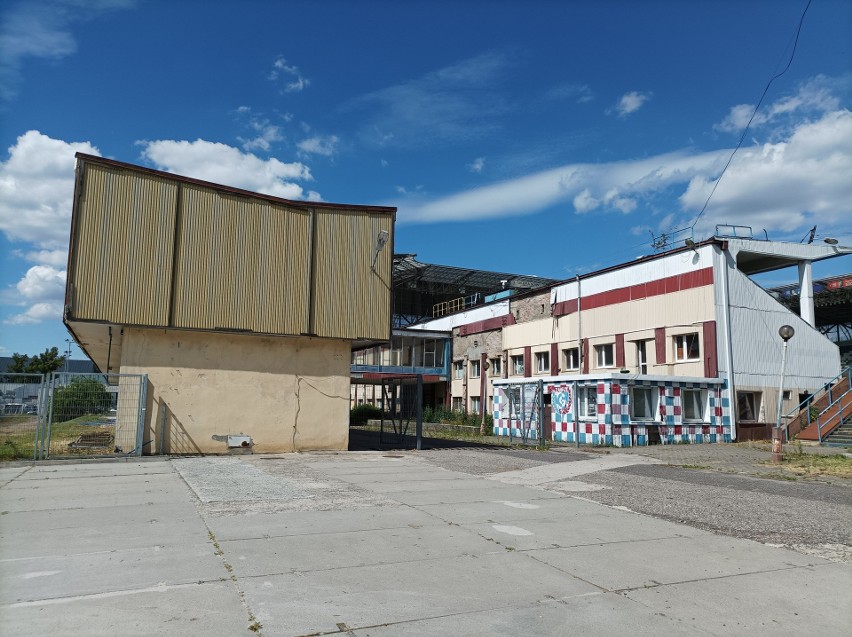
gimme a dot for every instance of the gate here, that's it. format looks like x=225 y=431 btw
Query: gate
x=402 y=411
x=71 y=415
x=21 y=398
x=526 y=412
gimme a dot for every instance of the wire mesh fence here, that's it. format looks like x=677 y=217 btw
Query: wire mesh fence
x=92 y=415
x=63 y=414
x=21 y=398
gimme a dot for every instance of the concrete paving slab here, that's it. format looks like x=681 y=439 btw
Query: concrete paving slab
x=64 y=531
x=639 y=563
x=389 y=487
x=105 y=498
x=771 y=603
x=46 y=577
x=7 y=474
x=400 y=477
x=303 y=553
x=307 y=603
x=476 y=493
x=210 y=608
x=574 y=516
x=570 y=531
x=566 y=470
x=596 y=614
x=65 y=484
x=98 y=468
x=238 y=527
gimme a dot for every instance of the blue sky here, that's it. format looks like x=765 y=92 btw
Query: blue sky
x=547 y=138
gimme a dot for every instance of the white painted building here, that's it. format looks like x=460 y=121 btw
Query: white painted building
x=643 y=351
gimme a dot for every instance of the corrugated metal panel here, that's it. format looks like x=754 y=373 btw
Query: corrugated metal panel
x=352 y=300
x=242 y=264
x=812 y=359
x=152 y=250
x=122 y=243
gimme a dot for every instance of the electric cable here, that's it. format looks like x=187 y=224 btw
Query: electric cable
x=754 y=113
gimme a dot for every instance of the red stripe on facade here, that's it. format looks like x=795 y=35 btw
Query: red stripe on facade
x=494 y=323
x=554 y=359
x=711 y=365
x=670 y=284
x=660 y=342
x=619 y=351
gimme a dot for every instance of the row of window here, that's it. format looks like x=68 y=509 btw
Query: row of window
x=686 y=348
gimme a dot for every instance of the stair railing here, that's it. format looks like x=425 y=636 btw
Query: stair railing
x=837 y=401
x=805 y=405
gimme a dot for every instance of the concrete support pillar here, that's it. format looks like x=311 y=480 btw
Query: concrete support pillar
x=806 y=292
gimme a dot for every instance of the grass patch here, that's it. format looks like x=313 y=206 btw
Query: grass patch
x=811 y=464
x=17 y=440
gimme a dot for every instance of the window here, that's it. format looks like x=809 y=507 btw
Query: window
x=686 y=347
x=588 y=402
x=643 y=403
x=496 y=366
x=542 y=362
x=604 y=354
x=458 y=369
x=748 y=405
x=572 y=358
x=517 y=365
x=458 y=405
x=693 y=404
x=474 y=404
x=474 y=369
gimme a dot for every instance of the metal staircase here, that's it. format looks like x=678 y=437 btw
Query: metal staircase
x=826 y=416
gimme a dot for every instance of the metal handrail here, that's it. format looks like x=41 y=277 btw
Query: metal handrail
x=837 y=401
x=806 y=403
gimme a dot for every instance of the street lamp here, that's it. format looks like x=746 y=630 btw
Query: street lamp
x=786 y=332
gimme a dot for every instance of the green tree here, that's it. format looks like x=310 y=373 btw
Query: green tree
x=48 y=361
x=19 y=364
x=81 y=397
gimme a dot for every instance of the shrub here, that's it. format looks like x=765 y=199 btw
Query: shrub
x=81 y=397
x=362 y=413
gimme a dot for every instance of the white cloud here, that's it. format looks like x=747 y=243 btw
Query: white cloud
x=584 y=202
x=785 y=185
x=36 y=189
x=477 y=165
x=631 y=102
x=36 y=314
x=325 y=145
x=460 y=101
x=41 y=283
x=40 y=29
x=580 y=93
x=814 y=96
x=223 y=164
x=56 y=258
x=289 y=75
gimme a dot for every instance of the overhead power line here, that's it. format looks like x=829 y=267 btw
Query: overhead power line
x=759 y=102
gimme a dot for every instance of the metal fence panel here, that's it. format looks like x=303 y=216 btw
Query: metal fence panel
x=92 y=415
x=20 y=412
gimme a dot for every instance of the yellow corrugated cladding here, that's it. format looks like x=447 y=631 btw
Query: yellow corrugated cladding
x=241 y=264
x=148 y=249
x=122 y=247
x=352 y=301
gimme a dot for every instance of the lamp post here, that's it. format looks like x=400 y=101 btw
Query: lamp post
x=786 y=333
